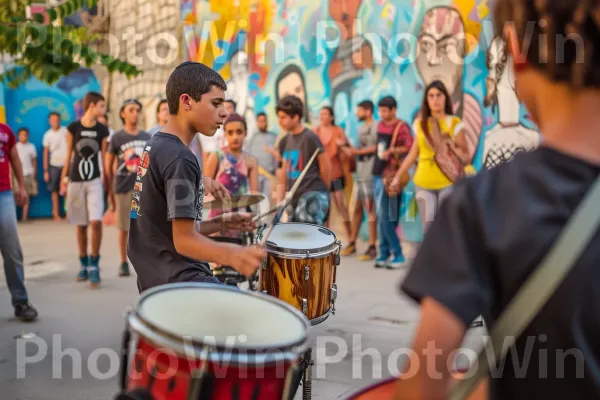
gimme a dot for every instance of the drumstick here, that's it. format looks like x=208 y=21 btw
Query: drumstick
x=271 y=211
x=288 y=196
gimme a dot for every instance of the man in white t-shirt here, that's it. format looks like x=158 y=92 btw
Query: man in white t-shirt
x=55 y=150
x=28 y=157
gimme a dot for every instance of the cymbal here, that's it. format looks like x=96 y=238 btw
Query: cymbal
x=237 y=201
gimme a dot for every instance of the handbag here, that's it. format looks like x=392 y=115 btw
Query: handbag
x=393 y=165
x=445 y=155
x=536 y=291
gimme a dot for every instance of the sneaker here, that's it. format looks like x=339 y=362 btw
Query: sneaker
x=369 y=255
x=349 y=249
x=94 y=271
x=397 y=262
x=25 y=312
x=124 y=269
x=381 y=262
x=83 y=273
x=94 y=277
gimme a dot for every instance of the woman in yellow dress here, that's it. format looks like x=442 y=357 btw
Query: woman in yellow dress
x=436 y=120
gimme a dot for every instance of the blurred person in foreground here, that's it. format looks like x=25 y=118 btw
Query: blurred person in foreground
x=494 y=229
x=10 y=246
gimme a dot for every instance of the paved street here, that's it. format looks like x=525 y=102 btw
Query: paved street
x=371 y=314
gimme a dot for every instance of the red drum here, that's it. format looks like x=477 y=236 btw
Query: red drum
x=383 y=390
x=204 y=341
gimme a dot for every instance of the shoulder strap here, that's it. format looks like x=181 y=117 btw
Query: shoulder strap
x=395 y=132
x=538 y=288
x=427 y=134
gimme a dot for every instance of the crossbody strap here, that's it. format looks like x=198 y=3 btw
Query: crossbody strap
x=427 y=134
x=537 y=290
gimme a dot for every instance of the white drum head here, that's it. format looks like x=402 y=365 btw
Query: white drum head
x=299 y=236
x=222 y=316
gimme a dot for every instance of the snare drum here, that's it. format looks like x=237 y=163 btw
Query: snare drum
x=198 y=340
x=300 y=268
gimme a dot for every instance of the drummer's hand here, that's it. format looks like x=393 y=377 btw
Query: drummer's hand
x=246 y=260
x=216 y=189
x=239 y=221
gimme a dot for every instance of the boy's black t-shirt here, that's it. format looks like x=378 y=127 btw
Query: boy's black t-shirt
x=87 y=144
x=168 y=185
x=297 y=151
x=488 y=237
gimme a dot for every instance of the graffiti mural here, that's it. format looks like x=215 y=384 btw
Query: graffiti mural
x=508 y=136
x=340 y=52
x=29 y=105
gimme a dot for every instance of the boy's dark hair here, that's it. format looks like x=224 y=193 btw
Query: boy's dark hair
x=23 y=129
x=261 y=114
x=388 y=102
x=367 y=105
x=292 y=106
x=54 y=113
x=160 y=103
x=92 y=98
x=233 y=103
x=574 y=62
x=193 y=79
x=236 y=118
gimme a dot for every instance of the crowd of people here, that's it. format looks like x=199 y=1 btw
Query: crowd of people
x=94 y=168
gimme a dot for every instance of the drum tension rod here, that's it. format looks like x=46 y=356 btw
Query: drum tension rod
x=307 y=364
x=333 y=297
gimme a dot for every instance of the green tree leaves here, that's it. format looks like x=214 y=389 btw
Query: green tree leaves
x=50 y=50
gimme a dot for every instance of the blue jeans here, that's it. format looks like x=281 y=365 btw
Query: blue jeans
x=388 y=217
x=10 y=247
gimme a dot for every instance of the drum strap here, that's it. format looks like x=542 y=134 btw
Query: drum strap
x=537 y=290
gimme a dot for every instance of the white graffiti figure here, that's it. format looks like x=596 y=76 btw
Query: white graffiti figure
x=238 y=89
x=508 y=136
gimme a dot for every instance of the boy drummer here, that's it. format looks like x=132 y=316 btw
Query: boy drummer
x=166 y=233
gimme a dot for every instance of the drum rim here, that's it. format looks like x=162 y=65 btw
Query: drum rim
x=318 y=251
x=158 y=333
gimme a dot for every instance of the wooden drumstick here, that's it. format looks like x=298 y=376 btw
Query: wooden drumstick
x=288 y=196
x=271 y=211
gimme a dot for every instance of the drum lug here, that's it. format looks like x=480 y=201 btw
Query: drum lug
x=333 y=298
x=304 y=306
x=264 y=264
x=337 y=254
x=306 y=273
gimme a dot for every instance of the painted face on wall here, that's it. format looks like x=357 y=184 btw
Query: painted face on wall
x=500 y=76
x=292 y=85
x=441 y=48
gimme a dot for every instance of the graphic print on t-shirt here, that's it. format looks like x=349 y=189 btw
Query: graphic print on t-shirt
x=142 y=168
x=87 y=148
x=130 y=153
x=294 y=163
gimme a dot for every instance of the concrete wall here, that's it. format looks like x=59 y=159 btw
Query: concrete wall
x=146 y=33
x=340 y=52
